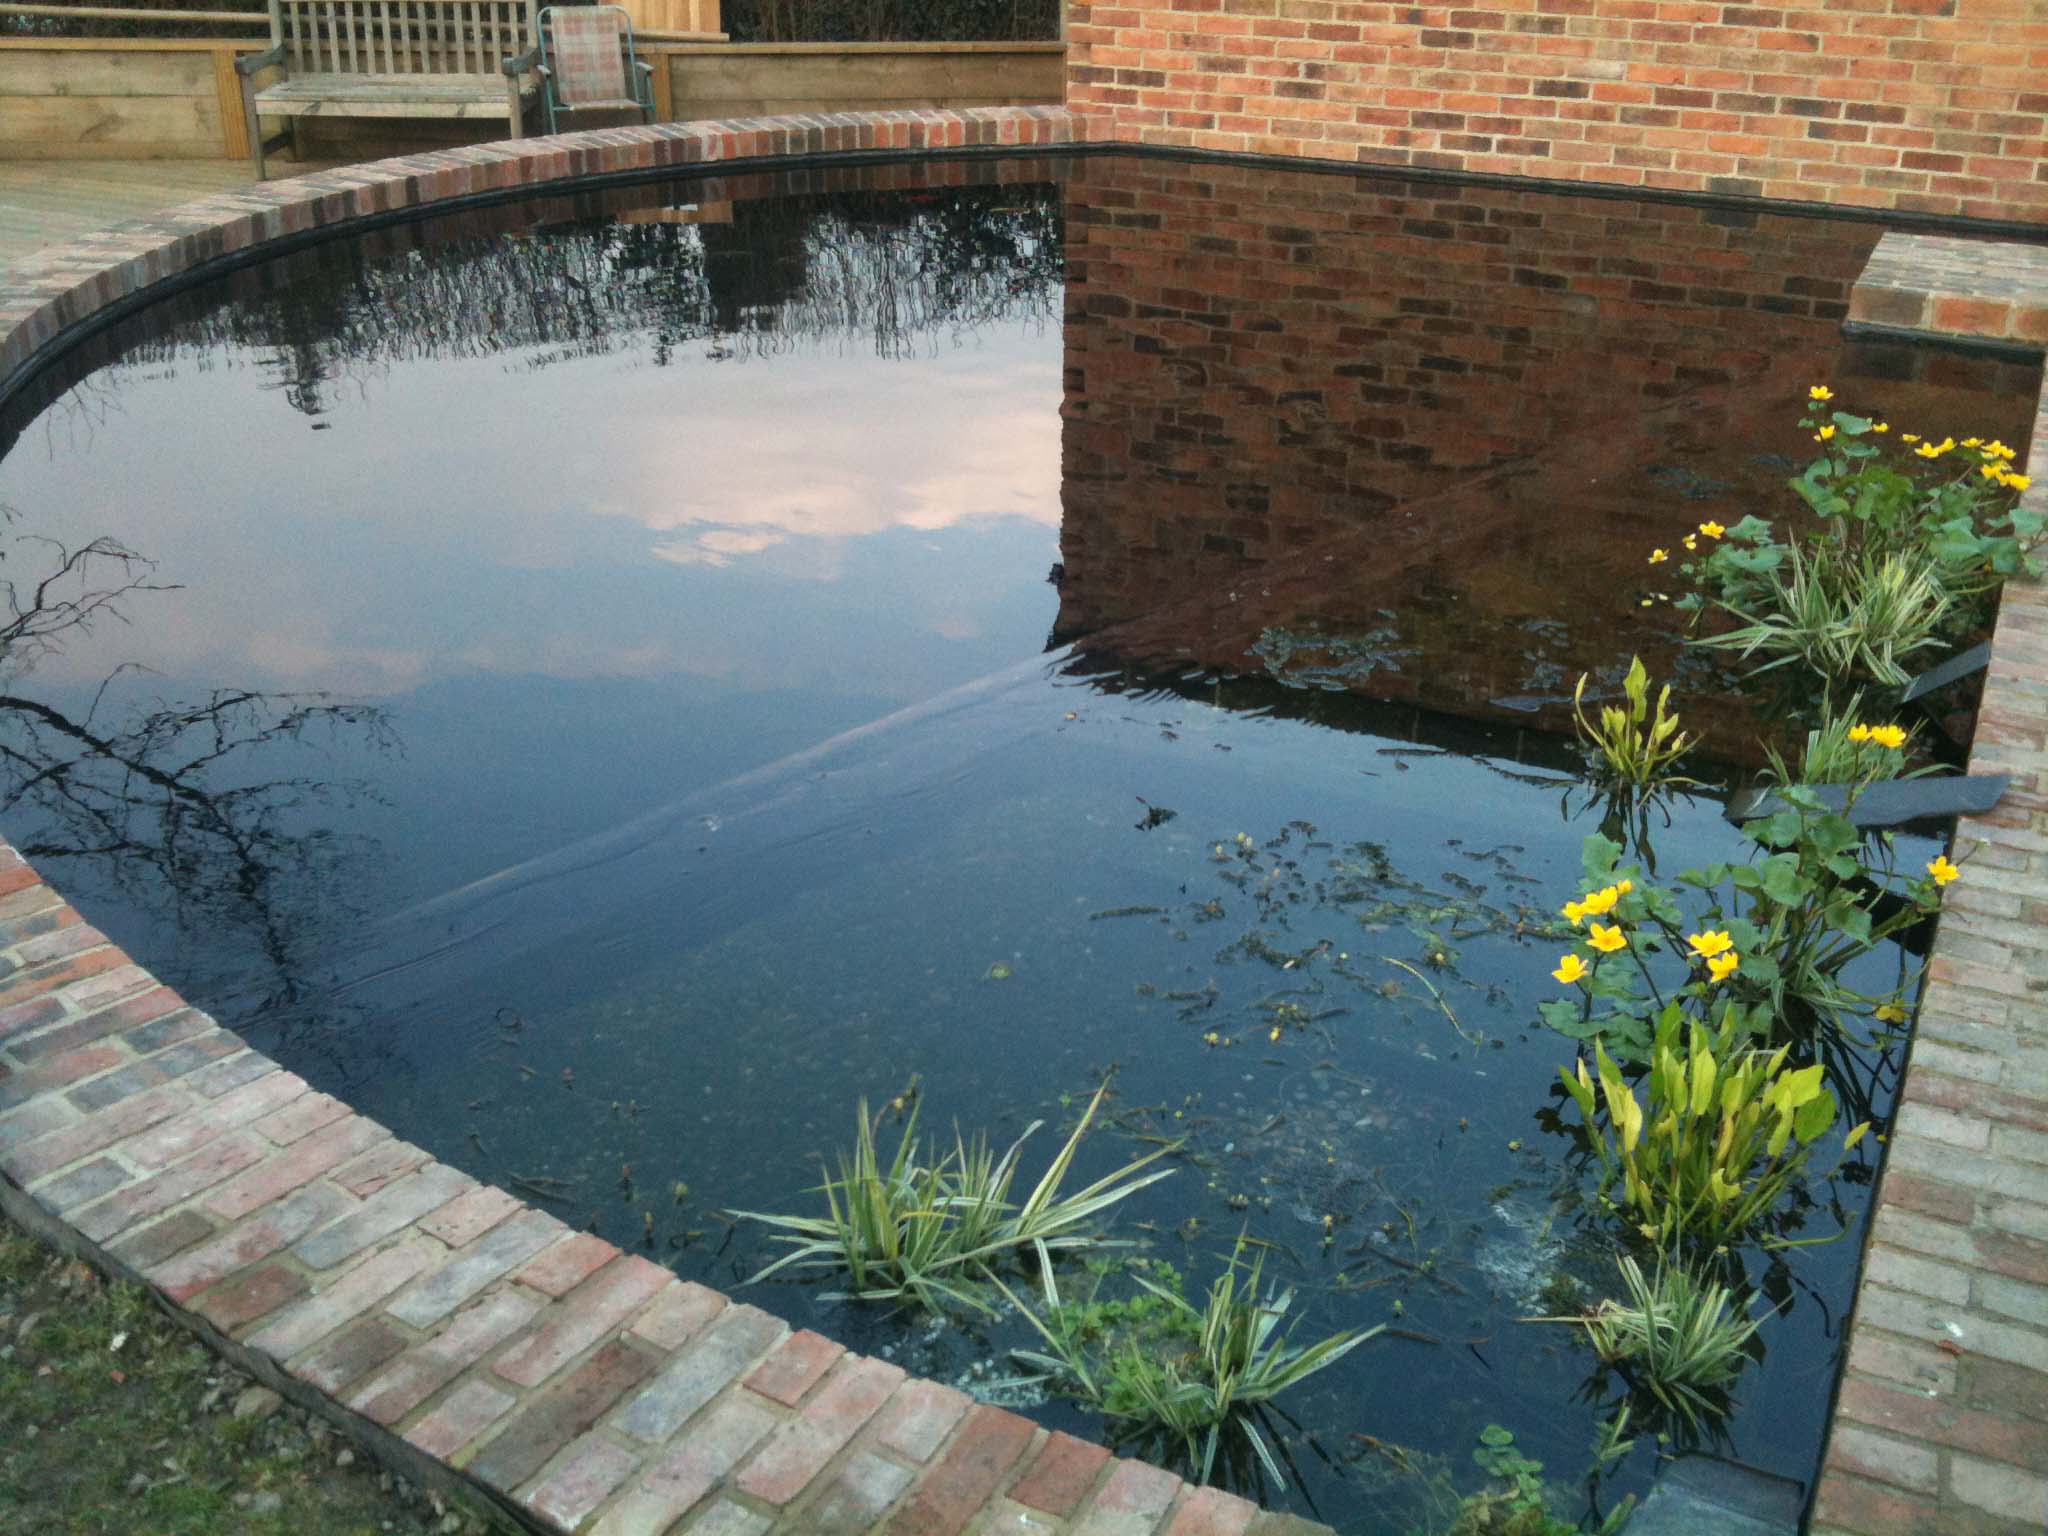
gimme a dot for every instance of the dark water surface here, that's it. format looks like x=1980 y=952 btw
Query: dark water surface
x=605 y=683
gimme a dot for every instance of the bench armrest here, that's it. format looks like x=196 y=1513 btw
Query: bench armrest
x=520 y=63
x=248 y=64
x=643 y=66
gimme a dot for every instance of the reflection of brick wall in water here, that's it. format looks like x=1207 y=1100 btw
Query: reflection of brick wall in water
x=1258 y=359
x=1930 y=105
x=1303 y=399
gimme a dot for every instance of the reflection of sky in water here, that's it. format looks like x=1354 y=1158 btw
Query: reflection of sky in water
x=598 y=519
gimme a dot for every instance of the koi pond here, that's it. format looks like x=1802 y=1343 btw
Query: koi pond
x=609 y=684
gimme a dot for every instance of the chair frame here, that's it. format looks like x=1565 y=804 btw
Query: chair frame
x=639 y=73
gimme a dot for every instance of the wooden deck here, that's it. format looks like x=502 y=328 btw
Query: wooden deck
x=50 y=202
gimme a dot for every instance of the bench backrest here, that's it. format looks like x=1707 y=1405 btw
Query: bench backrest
x=400 y=37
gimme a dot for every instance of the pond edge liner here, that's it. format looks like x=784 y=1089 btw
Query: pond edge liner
x=48 y=305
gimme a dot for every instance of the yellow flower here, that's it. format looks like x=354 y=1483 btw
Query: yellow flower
x=1823 y=434
x=1570 y=969
x=1909 y=437
x=1691 y=542
x=1859 y=732
x=1708 y=945
x=1712 y=530
x=1942 y=870
x=1648 y=602
x=1880 y=426
x=1601 y=902
x=2019 y=482
x=2004 y=452
x=1971 y=442
x=1624 y=887
x=1659 y=556
x=1820 y=392
x=1891 y=1013
x=1928 y=451
x=1576 y=911
x=1721 y=967
x=1893 y=736
x=1992 y=471
x=1608 y=940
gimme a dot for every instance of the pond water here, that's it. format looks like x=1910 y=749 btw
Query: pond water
x=605 y=683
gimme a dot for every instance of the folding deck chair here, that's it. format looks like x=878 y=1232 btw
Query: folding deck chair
x=587 y=63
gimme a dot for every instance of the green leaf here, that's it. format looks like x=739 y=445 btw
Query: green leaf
x=1781 y=879
x=1597 y=855
x=1833 y=834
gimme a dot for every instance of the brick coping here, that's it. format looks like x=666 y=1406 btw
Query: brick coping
x=456 y=1332
x=1941 y=1414
x=473 y=1340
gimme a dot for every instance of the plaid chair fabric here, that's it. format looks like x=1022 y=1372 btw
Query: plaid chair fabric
x=585 y=47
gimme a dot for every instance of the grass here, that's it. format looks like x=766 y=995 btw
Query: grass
x=119 y=1423
x=929 y=1224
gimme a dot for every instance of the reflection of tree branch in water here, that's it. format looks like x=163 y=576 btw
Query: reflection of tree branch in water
x=896 y=271
x=150 y=799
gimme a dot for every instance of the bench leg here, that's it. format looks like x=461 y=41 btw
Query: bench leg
x=515 y=110
x=254 y=126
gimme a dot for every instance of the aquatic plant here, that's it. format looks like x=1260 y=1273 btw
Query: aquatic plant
x=1906 y=545
x=929 y=1223
x=1846 y=616
x=1723 y=1137
x=1636 y=743
x=1519 y=1503
x=1237 y=1356
x=1679 y=1337
x=1769 y=937
x=1846 y=748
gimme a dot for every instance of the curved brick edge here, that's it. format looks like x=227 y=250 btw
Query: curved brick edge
x=464 y=1336
x=1941 y=1414
x=469 y=1339
x=54 y=290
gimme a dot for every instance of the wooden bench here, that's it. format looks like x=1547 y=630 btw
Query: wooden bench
x=390 y=58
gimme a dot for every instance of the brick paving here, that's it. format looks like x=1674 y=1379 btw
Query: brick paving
x=588 y=1390
x=1941 y=1425
x=452 y=1329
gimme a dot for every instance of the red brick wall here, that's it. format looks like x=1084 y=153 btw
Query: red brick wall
x=1934 y=106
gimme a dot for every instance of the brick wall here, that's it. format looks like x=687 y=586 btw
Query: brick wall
x=1933 y=106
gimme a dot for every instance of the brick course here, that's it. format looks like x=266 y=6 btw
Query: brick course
x=1928 y=106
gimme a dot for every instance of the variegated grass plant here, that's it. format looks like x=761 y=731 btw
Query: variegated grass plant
x=1242 y=1356
x=1679 y=1337
x=932 y=1221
